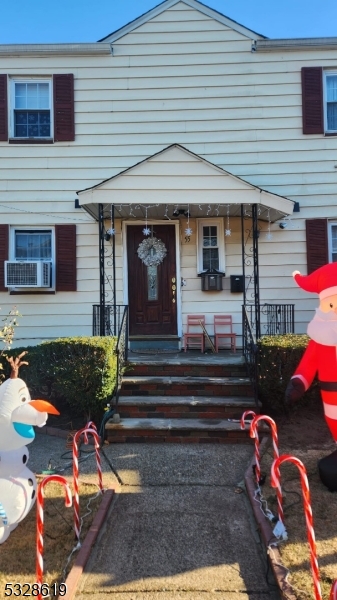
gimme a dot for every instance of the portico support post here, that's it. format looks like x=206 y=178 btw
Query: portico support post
x=256 y=272
x=101 y=271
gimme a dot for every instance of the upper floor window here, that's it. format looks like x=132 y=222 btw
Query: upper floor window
x=211 y=247
x=31 y=109
x=37 y=110
x=330 y=101
x=332 y=242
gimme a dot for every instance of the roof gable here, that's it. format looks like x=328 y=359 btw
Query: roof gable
x=195 y=4
x=177 y=173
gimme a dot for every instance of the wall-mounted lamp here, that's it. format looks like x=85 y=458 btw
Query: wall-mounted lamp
x=181 y=212
x=107 y=236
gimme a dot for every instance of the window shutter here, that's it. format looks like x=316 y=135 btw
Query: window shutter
x=64 y=126
x=4 y=238
x=65 y=237
x=3 y=109
x=312 y=100
x=317 y=243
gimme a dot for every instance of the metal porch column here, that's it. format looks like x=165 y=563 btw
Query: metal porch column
x=101 y=271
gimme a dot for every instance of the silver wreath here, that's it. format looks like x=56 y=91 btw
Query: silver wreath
x=152 y=252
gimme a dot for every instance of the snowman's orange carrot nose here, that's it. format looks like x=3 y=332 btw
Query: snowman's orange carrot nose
x=44 y=406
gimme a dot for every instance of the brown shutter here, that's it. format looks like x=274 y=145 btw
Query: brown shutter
x=65 y=236
x=4 y=238
x=3 y=109
x=317 y=243
x=312 y=100
x=64 y=126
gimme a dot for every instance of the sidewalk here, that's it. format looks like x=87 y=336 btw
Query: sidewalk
x=177 y=529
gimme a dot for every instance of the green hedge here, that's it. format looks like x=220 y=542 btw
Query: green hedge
x=78 y=371
x=278 y=357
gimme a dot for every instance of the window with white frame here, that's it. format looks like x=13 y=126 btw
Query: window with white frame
x=330 y=104
x=34 y=250
x=31 y=109
x=211 y=245
x=332 y=242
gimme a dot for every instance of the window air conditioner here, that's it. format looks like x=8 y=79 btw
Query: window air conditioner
x=27 y=274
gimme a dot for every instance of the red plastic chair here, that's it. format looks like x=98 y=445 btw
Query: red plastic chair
x=193 y=338
x=223 y=330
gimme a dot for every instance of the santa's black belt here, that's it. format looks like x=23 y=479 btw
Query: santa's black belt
x=328 y=386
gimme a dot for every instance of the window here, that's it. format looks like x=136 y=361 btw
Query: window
x=319 y=101
x=37 y=110
x=330 y=105
x=211 y=250
x=32 y=246
x=48 y=253
x=332 y=242
x=31 y=109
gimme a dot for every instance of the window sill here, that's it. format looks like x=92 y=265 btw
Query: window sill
x=30 y=141
x=29 y=292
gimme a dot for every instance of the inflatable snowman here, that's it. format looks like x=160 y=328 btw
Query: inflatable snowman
x=18 y=415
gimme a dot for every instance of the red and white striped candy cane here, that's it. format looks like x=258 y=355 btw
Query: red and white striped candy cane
x=77 y=435
x=244 y=416
x=333 y=593
x=254 y=433
x=40 y=522
x=275 y=482
x=89 y=425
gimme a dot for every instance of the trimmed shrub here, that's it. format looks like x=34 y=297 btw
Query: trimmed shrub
x=78 y=371
x=278 y=358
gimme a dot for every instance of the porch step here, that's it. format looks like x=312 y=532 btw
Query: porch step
x=176 y=368
x=183 y=397
x=184 y=386
x=178 y=430
x=184 y=407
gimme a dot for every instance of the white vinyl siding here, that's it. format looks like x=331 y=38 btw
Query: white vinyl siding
x=180 y=78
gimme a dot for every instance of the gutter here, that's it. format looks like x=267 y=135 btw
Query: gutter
x=99 y=49
x=328 y=43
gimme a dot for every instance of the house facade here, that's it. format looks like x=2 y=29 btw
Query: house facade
x=165 y=139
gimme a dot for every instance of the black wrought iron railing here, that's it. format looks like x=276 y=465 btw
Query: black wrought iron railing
x=271 y=319
x=109 y=322
x=250 y=352
x=115 y=322
x=122 y=355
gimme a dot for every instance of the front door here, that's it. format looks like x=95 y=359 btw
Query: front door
x=152 y=289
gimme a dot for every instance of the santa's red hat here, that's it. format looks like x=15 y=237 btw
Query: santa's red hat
x=323 y=281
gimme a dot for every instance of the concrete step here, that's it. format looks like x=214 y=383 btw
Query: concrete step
x=184 y=407
x=179 y=430
x=185 y=386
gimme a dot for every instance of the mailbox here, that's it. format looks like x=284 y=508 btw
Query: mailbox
x=211 y=280
x=237 y=284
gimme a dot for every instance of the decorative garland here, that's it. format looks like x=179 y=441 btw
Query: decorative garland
x=152 y=259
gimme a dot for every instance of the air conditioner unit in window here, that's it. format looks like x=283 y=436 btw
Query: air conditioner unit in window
x=27 y=274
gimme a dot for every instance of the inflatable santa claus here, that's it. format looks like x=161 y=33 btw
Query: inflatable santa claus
x=320 y=356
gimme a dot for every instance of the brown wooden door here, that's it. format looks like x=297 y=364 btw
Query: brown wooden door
x=152 y=291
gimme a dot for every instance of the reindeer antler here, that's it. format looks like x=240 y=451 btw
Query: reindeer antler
x=16 y=363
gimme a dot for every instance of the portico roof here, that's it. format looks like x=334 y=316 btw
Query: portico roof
x=176 y=177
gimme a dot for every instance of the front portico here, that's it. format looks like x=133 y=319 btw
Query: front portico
x=204 y=216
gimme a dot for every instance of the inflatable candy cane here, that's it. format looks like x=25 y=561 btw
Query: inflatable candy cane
x=275 y=482
x=40 y=523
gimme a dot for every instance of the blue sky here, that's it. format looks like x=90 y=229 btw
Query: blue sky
x=44 y=21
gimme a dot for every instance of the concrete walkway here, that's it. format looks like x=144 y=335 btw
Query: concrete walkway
x=178 y=528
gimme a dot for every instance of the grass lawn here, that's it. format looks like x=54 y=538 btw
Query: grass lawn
x=18 y=553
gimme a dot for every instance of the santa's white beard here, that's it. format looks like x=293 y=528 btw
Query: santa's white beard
x=323 y=328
